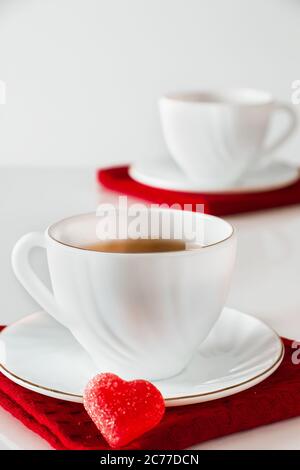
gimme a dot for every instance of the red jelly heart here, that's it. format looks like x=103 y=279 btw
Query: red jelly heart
x=122 y=410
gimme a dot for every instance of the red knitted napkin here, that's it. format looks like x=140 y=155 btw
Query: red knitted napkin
x=118 y=179
x=66 y=425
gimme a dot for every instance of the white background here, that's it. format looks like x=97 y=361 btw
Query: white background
x=83 y=76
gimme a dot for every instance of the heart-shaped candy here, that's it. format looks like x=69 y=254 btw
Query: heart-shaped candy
x=121 y=410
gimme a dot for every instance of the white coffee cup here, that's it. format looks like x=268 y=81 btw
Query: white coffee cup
x=217 y=138
x=139 y=315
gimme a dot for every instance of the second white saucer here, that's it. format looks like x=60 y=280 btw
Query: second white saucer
x=241 y=351
x=165 y=174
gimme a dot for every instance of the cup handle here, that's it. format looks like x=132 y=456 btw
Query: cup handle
x=293 y=123
x=26 y=275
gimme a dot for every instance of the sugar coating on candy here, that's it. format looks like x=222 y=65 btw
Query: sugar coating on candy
x=121 y=410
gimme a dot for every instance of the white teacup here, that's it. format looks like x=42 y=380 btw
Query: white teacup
x=139 y=315
x=216 y=138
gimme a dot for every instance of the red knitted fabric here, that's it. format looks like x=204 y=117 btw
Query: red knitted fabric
x=118 y=179
x=66 y=425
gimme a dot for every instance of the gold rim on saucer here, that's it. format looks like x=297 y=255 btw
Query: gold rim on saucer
x=185 y=397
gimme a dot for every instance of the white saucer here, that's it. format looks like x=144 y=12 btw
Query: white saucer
x=165 y=174
x=241 y=351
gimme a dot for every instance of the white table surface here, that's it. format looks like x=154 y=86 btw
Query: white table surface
x=266 y=281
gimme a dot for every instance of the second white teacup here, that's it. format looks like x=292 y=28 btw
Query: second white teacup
x=216 y=138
